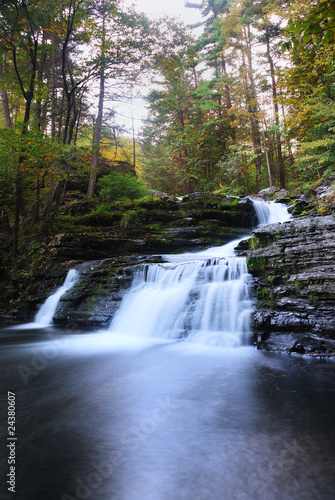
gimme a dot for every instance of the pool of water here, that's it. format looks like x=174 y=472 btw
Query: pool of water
x=106 y=417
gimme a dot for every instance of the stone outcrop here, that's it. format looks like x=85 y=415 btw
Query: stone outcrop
x=294 y=266
x=155 y=226
x=93 y=301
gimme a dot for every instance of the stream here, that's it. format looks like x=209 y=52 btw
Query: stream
x=171 y=402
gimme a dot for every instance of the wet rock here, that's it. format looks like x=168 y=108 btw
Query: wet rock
x=154 y=194
x=157 y=226
x=242 y=247
x=187 y=197
x=93 y=301
x=294 y=264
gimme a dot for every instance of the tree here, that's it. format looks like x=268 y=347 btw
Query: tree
x=311 y=98
x=124 y=41
x=239 y=38
x=98 y=123
x=21 y=36
x=116 y=186
x=315 y=25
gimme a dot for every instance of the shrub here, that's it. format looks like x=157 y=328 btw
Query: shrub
x=117 y=186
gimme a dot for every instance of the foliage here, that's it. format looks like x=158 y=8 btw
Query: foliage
x=229 y=111
x=116 y=186
x=237 y=170
x=310 y=95
x=35 y=157
x=317 y=25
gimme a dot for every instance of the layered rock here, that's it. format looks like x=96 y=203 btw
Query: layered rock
x=93 y=301
x=154 y=226
x=294 y=266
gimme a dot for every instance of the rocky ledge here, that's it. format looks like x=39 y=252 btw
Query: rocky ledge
x=294 y=267
x=164 y=225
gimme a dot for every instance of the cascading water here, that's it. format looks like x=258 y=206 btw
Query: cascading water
x=48 y=309
x=269 y=213
x=207 y=300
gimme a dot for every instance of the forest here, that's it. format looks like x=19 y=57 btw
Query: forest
x=242 y=102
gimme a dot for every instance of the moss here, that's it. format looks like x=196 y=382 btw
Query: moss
x=265 y=295
x=270 y=278
x=313 y=297
x=155 y=226
x=263 y=241
x=257 y=265
x=299 y=285
x=300 y=207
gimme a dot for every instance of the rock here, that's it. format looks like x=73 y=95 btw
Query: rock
x=310 y=194
x=242 y=247
x=269 y=190
x=326 y=187
x=190 y=195
x=154 y=226
x=157 y=194
x=93 y=301
x=304 y=205
x=294 y=264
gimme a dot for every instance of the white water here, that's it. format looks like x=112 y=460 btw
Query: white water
x=207 y=300
x=48 y=309
x=205 y=297
x=269 y=213
x=165 y=420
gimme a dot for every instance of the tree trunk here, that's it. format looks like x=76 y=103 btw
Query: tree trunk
x=8 y=124
x=98 y=124
x=281 y=166
x=229 y=105
x=5 y=223
x=252 y=105
x=5 y=108
x=4 y=99
x=28 y=96
x=53 y=87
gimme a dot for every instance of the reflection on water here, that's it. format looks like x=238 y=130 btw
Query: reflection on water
x=104 y=418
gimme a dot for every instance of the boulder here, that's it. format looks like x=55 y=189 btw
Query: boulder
x=326 y=187
x=269 y=190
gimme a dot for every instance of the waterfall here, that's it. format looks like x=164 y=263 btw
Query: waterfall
x=204 y=297
x=270 y=212
x=207 y=300
x=48 y=309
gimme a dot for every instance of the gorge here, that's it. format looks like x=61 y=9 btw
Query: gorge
x=169 y=399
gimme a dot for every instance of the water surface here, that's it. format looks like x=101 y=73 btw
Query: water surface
x=108 y=418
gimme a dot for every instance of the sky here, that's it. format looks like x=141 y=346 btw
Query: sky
x=154 y=9
x=172 y=8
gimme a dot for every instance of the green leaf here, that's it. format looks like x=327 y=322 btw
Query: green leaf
x=297 y=30
x=306 y=38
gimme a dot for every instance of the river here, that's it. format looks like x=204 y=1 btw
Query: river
x=168 y=405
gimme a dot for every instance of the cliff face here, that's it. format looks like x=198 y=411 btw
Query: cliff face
x=294 y=266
